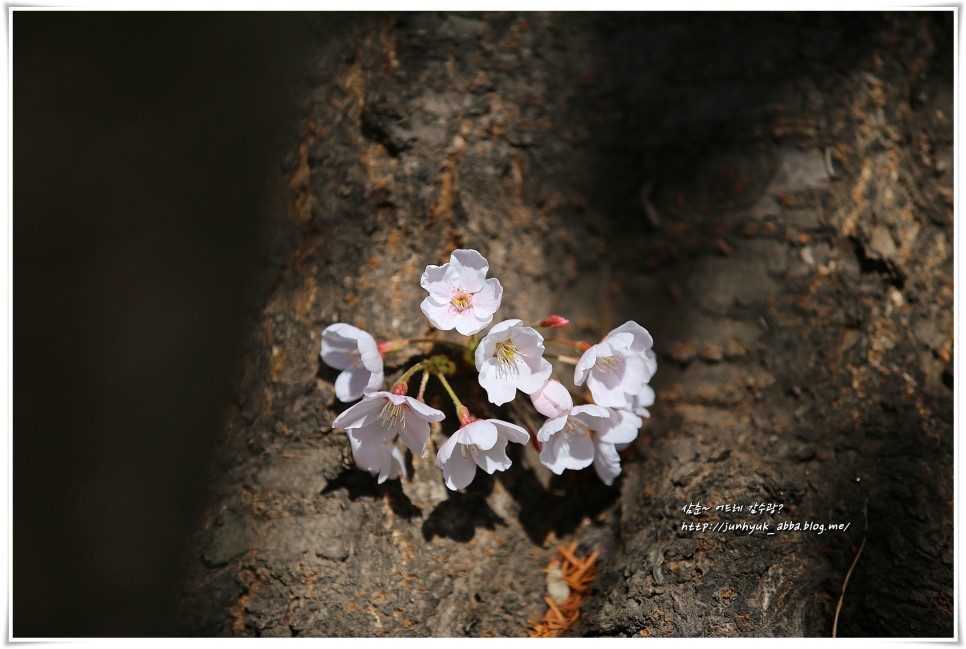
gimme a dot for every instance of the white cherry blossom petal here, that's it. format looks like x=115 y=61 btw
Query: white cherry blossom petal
x=532 y=380
x=607 y=463
x=446 y=450
x=486 y=349
x=352 y=383
x=619 y=340
x=589 y=412
x=415 y=435
x=369 y=353
x=621 y=427
x=584 y=364
x=384 y=460
x=493 y=459
x=480 y=433
x=636 y=373
x=458 y=472
x=609 y=396
x=471 y=267
x=467 y=324
x=487 y=301
x=501 y=330
x=375 y=382
x=336 y=357
x=641 y=339
x=551 y=427
x=443 y=317
x=439 y=281
x=361 y=414
x=498 y=391
x=512 y=432
x=562 y=451
x=425 y=412
x=641 y=401
x=394 y=467
x=354 y=351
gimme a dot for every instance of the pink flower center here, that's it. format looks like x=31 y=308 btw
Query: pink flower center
x=461 y=300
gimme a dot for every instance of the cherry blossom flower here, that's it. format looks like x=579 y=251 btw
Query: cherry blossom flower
x=567 y=440
x=381 y=415
x=510 y=358
x=587 y=435
x=384 y=460
x=460 y=296
x=552 y=400
x=355 y=352
x=617 y=368
x=481 y=443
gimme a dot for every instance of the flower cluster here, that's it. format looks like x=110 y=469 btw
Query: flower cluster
x=510 y=357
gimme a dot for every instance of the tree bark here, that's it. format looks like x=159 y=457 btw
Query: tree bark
x=769 y=194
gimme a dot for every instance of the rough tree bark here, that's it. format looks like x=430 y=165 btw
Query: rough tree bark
x=769 y=194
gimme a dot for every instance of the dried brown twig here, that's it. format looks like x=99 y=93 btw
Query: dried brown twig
x=838 y=607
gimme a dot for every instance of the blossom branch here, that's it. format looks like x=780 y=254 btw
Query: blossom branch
x=570 y=360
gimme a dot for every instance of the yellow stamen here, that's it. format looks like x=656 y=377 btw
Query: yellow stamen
x=608 y=364
x=575 y=425
x=461 y=300
x=392 y=415
x=507 y=354
x=473 y=449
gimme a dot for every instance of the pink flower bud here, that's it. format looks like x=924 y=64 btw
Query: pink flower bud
x=389 y=346
x=554 y=322
x=552 y=400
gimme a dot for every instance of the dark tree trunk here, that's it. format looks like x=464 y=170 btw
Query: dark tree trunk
x=769 y=194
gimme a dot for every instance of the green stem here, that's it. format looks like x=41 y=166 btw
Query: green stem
x=404 y=379
x=452 y=395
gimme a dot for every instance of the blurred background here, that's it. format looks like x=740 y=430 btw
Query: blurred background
x=146 y=158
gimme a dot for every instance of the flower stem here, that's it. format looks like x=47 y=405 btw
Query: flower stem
x=422 y=384
x=452 y=395
x=399 y=387
x=563 y=359
x=579 y=345
x=462 y=412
